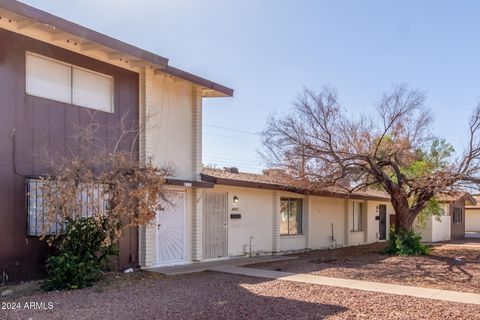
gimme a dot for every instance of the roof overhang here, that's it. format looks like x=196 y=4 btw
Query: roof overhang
x=268 y=186
x=59 y=30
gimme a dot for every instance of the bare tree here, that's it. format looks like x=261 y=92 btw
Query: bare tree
x=321 y=146
x=103 y=179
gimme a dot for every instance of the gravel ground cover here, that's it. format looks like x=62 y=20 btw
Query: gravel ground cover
x=450 y=266
x=211 y=295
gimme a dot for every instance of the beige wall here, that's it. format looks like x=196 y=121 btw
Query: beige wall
x=255 y=224
x=325 y=212
x=472 y=220
x=437 y=228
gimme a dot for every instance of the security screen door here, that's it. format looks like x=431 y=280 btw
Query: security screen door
x=215 y=225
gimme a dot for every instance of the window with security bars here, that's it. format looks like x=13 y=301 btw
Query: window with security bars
x=457 y=215
x=92 y=201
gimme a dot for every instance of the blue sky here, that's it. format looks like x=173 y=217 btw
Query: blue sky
x=269 y=50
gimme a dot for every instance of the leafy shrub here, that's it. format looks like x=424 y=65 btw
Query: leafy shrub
x=406 y=243
x=81 y=255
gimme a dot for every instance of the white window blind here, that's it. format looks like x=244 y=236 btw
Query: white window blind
x=52 y=79
x=92 y=90
x=48 y=79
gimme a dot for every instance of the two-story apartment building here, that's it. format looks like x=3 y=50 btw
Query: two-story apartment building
x=54 y=75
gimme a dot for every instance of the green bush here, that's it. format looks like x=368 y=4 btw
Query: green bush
x=81 y=255
x=406 y=243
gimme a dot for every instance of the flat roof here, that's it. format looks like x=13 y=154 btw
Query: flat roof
x=61 y=24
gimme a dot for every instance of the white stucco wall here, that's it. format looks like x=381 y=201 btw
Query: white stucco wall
x=426 y=231
x=293 y=243
x=441 y=228
x=255 y=207
x=472 y=220
x=325 y=212
x=437 y=228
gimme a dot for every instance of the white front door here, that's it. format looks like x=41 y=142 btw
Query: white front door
x=170 y=227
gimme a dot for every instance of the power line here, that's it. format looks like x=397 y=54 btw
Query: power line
x=230 y=129
x=229 y=137
x=255 y=162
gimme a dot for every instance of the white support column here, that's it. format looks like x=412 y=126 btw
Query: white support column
x=275 y=224
x=197 y=133
x=366 y=217
x=147 y=234
x=306 y=221
x=197 y=225
x=347 y=223
x=143 y=115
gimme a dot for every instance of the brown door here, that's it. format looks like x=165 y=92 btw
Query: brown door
x=382 y=223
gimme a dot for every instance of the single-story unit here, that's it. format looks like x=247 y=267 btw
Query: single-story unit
x=450 y=224
x=472 y=216
x=240 y=214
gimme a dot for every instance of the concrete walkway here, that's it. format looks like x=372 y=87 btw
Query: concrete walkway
x=209 y=265
x=427 y=293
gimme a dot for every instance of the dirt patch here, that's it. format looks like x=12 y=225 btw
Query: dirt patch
x=211 y=295
x=449 y=266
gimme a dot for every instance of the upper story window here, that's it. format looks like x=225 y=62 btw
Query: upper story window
x=290 y=216
x=59 y=81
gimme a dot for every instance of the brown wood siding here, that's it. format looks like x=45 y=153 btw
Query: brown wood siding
x=40 y=125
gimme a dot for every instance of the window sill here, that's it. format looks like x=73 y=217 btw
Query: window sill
x=291 y=236
x=356 y=231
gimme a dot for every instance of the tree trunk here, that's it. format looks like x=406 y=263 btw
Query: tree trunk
x=404 y=217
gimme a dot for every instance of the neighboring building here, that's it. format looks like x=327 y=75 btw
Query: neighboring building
x=53 y=74
x=450 y=224
x=472 y=216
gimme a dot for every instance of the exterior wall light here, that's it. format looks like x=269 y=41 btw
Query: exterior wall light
x=235 y=199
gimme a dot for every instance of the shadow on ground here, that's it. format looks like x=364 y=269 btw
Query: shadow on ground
x=205 y=295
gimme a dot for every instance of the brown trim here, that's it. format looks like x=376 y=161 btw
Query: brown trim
x=112 y=43
x=187 y=183
x=197 y=80
x=272 y=186
x=80 y=31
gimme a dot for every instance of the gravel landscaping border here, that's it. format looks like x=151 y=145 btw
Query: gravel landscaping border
x=450 y=266
x=211 y=295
